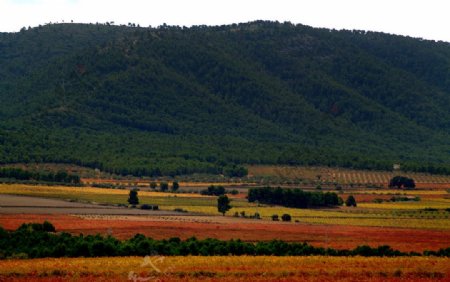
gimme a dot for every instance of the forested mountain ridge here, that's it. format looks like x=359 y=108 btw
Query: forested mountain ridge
x=172 y=100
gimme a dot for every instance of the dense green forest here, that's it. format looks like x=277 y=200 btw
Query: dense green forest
x=295 y=198
x=173 y=100
x=36 y=240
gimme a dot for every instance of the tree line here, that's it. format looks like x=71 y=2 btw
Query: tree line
x=20 y=174
x=295 y=198
x=40 y=241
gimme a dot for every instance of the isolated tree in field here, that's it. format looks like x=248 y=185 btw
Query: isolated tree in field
x=133 y=197
x=286 y=217
x=175 y=186
x=223 y=204
x=153 y=185
x=164 y=186
x=350 y=202
x=402 y=182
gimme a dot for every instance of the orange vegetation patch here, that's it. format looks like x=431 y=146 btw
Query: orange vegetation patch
x=228 y=268
x=336 y=236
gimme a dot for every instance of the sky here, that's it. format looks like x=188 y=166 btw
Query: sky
x=428 y=19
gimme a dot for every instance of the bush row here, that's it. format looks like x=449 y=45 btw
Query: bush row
x=20 y=174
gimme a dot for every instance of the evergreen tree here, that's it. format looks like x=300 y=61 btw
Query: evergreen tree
x=223 y=204
x=402 y=182
x=164 y=186
x=133 y=197
x=175 y=186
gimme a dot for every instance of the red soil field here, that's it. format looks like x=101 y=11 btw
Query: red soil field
x=336 y=236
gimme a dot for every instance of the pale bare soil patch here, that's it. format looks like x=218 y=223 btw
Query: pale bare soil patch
x=10 y=204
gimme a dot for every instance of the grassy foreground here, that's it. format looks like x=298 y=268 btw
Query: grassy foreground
x=262 y=268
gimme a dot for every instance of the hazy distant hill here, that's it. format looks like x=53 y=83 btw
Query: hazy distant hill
x=174 y=100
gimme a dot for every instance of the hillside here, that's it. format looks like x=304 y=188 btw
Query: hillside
x=172 y=100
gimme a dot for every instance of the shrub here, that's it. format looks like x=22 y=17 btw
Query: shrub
x=430 y=209
x=175 y=186
x=275 y=217
x=404 y=199
x=48 y=227
x=180 y=210
x=286 y=217
x=214 y=191
x=402 y=182
x=234 y=192
x=163 y=186
x=37 y=227
x=350 y=202
x=149 y=207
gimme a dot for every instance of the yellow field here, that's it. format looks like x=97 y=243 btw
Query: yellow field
x=243 y=268
x=384 y=222
x=106 y=196
x=330 y=217
x=31 y=190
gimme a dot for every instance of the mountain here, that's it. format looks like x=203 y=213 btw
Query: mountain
x=176 y=100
